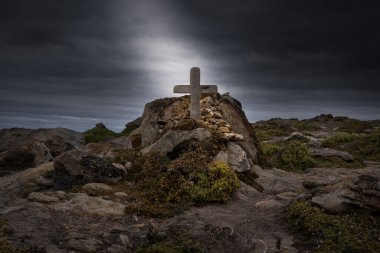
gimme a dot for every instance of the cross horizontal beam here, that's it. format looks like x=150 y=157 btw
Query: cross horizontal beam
x=203 y=89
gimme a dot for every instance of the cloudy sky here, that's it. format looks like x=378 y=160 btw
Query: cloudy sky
x=74 y=63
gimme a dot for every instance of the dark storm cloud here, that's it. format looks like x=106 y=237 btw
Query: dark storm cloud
x=75 y=63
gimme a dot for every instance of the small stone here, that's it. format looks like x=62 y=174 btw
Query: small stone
x=128 y=165
x=121 y=194
x=224 y=130
x=44 y=181
x=124 y=239
x=42 y=198
x=218 y=115
x=233 y=136
x=266 y=204
x=96 y=187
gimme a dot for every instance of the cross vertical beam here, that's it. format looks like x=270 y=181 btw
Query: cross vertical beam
x=195 y=92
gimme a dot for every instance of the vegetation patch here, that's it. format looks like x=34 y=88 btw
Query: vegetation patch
x=175 y=240
x=364 y=146
x=322 y=232
x=99 y=133
x=289 y=155
x=160 y=187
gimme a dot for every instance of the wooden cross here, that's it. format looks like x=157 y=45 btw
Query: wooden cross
x=195 y=90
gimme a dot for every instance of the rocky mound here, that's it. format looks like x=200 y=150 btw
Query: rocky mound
x=25 y=148
x=167 y=128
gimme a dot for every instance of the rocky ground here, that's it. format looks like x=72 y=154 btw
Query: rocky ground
x=69 y=194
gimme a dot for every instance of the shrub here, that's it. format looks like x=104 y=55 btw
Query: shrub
x=337 y=140
x=161 y=187
x=363 y=147
x=333 y=233
x=216 y=184
x=289 y=155
x=295 y=156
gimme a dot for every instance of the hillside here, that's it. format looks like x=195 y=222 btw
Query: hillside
x=168 y=183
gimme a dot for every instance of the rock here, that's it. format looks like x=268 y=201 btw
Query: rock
x=36 y=146
x=331 y=202
x=96 y=188
x=277 y=181
x=77 y=167
x=120 y=167
x=288 y=196
x=83 y=244
x=90 y=205
x=268 y=204
x=173 y=138
x=237 y=158
x=123 y=141
x=233 y=137
x=53 y=249
x=43 y=181
x=121 y=194
x=42 y=197
x=234 y=115
x=224 y=129
x=218 y=115
x=328 y=152
x=103 y=149
x=16 y=159
x=155 y=111
x=116 y=249
x=312 y=140
x=124 y=240
x=363 y=192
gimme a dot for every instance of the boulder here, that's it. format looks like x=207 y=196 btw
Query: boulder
x=78 y=167
x=90 y=205
x=173 y=138
x=42 y=197
x=31 y=147
x=235 y=156
x=363 y=192
x=96 y=188
x=234 y=115
x=277 y=181
x=328 y=152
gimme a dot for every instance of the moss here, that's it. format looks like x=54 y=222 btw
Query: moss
x=322 y=232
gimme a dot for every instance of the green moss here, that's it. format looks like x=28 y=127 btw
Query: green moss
x=324 y=232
